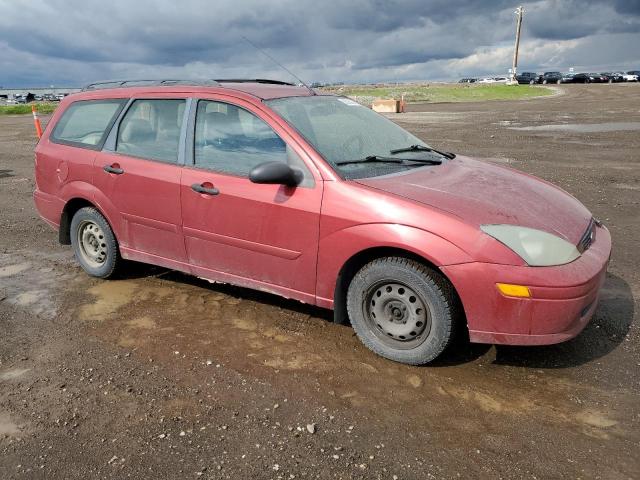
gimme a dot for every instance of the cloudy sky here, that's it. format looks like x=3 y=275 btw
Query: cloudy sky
x=72 y=42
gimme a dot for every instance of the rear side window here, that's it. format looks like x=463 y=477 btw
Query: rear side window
x=151 y=129
x=86 y=123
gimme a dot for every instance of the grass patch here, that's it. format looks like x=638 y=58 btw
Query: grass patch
x=438 y=93
x=23 y=108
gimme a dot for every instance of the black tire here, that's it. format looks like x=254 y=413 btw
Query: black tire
x=544 y=82
x=94 y=244
x=407 y=286
x=558 y=82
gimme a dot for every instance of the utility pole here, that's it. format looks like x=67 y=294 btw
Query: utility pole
x=514 y=69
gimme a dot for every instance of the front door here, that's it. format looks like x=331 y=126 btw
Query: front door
x=141 y=176
x=261 y=236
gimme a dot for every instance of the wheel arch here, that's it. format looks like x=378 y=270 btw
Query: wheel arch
x=69 y=210
x=359 y=260
x=79 y=194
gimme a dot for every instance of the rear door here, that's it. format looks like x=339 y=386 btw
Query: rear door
x=263 y=236
x=139 y=171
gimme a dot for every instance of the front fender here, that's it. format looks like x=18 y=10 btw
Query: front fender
x=337 y=248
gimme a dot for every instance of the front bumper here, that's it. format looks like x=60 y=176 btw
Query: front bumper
x=563 y=298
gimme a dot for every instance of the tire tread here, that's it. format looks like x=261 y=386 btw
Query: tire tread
x=440 y=286
x=109 y=237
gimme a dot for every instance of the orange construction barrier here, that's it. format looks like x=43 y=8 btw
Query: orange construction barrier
x=36 y=121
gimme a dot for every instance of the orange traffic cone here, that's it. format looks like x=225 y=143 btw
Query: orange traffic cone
x=36 y=121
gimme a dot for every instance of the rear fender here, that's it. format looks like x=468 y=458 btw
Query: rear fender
x=88 y=192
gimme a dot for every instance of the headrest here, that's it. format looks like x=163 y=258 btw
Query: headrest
x=211 y=121
x=137 y=130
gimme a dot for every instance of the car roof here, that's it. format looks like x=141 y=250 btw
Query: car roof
x=269 y=91
x=260 y=88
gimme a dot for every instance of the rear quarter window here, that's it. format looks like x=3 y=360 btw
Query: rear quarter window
x=85 y=123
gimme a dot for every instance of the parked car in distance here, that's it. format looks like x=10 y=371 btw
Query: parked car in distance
x=248 y=182
x=568 y=78
x=597 y=78
x=527 y=78
x=580 y=78
x=467 y=80
x=614 y=77
x=550 y=77
x=632 y=76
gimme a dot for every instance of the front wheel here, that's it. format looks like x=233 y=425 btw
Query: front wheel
x=402 y=310
x=94 y=243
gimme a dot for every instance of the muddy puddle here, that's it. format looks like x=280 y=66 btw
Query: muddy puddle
x=192 y=326
x=7 y=426
x=32 y=281
x=583 y=127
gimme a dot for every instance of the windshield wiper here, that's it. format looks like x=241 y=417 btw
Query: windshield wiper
x=422 y=148
x=378 y=158
x=371 y=158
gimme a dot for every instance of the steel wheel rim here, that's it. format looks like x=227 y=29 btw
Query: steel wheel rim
x=397 y=315
x=92 y=244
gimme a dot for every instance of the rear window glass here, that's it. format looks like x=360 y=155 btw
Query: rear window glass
x=85 y=122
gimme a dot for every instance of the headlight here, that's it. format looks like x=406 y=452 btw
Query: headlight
x=537 y=248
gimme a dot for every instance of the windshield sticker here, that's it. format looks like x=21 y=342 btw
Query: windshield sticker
x=348 y=101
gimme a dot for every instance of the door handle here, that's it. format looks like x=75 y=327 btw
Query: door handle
x=196 y=187
x=111 y=169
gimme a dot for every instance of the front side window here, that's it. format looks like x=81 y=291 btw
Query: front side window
x=85 y=122
x=151 y=129
x=230 y=139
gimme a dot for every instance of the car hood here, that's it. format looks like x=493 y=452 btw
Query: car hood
x=484 y=193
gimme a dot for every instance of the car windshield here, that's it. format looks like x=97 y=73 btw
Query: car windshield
x=341 y=130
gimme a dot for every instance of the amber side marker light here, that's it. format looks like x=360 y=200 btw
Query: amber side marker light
x=510 y=290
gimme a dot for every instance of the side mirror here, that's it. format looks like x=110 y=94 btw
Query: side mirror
x=275 y=173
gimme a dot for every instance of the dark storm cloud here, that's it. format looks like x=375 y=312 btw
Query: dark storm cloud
x=74 y=41
x=627 y=6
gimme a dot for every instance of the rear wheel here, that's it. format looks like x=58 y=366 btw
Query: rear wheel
x=402 y=310
x=94 y=243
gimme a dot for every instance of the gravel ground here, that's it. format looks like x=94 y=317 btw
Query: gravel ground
x=160 y=375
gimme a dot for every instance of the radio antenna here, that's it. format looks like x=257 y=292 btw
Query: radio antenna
x=278 y=64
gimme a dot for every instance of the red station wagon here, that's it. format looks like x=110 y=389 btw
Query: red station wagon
x=314 y=197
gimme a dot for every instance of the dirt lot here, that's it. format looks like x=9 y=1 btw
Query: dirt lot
x=160 y=375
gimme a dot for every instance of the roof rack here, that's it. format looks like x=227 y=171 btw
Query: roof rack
x=146 y=83
x=253 y=80
x=168 y=82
